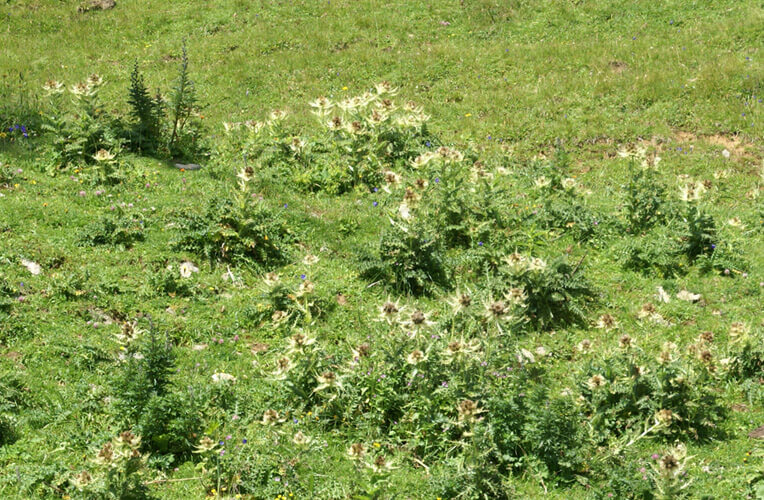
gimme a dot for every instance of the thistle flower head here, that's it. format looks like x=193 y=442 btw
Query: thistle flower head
x=283 y=365
x=301 y=439
x=421 y=184
x=356 y=451
x=596 y=381
x=412 y=107
x=129 y=440
x=378 y=117
x=706 y=357
x=607 y=322
x=348 y=105
x=53 y=87
x=81 y=89
x=354 y=128
x=277 y=115
x=647 y=310
x=496 y=310
x=380 y=465
x=691 y=191
x=739 y=331
x=103 y=155
x=459 y=349
x=129 y=332
x=299 y=342
x=223 y=378
x=254 y=126
x=516 y=296
x=279 y=316
x=187 y=268
x=468 y=411
x=82 y=479
x=391 y=179
x=669 y=463
x=246 y=174
x=322 y=103
x=297 y=144
x=416 y=357
x=306 y=288
x=271 y=417
x=423 y=159
x=106 y=455
x=536 y=264
x=626 y=342
x=386 y=105
x=205 y=444
x=460 y=301
x=516 y=262
x=450 y=154
x=389 y=312
x=362 y=351
x=230 y=126
x=385 y=87
x=584 y=346
x=542 y=181
x=336 y=123
x=672 y=463
x=94 y=80
x=417 y=321
x=310 y=259
x=667 y=353
x=271 y=278
x=411 y=197
x=328 y=380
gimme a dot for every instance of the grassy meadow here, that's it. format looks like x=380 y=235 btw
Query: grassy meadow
x=446 y=249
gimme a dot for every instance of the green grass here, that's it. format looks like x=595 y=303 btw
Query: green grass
x=684 y=77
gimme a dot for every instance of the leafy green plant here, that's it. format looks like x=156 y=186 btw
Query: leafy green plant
x=660 y=250
x=533 y=429
x=409 y=256
x=644 y=203
x=625 y=390
x=149 y=401
x=166 y=280
x=184 y=114
x=245 y=232
x=119 y=229
x=470 y=207
x=555 y=293
x=560 y=203
x=359 y=139
x=80 y=127
x=747 y=352
x=700 y=236
x=12 y=399
x=119 y=468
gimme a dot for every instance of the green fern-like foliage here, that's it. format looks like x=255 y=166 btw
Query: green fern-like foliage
x=183 y=107
x=252 y=234
x=644 y=200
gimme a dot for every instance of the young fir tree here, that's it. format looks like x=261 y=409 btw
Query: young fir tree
x=147 y=113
